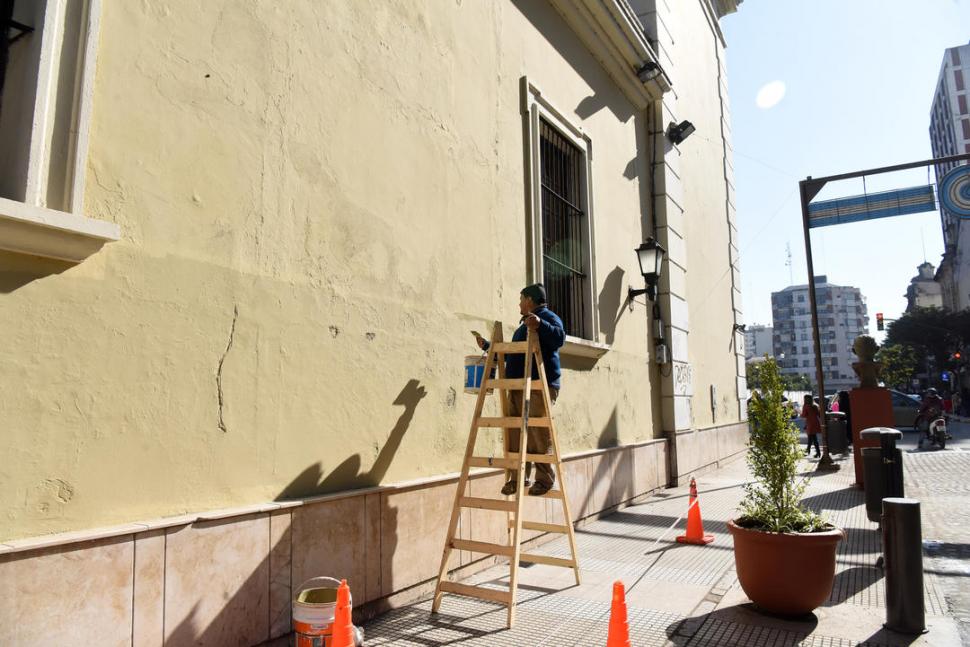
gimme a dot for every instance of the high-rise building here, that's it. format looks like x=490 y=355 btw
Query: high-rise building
x=757 y=341
x=924 y=291
x=950 y=135
x=842 y=317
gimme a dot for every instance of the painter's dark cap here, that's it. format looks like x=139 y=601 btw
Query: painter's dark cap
x=536 y=292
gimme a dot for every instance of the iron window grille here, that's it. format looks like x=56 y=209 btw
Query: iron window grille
x=563 y=222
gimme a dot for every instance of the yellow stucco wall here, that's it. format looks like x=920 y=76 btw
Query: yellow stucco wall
x=712 y=350
x=322 y=199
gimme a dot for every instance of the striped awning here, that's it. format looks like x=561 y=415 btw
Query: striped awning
x=885 y=204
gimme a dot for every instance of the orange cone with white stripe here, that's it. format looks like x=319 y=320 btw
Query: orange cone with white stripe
x=695 y=526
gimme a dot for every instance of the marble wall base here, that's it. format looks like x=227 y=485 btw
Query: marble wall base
x=227 y=577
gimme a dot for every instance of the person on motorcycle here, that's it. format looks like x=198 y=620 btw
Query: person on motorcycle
x=930 y=408
x=932 y=404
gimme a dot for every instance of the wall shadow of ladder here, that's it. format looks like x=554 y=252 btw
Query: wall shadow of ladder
x=511 y=461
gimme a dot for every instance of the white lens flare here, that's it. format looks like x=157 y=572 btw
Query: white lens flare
x=770 y=95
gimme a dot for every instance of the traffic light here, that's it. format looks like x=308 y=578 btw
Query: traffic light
x=957 y=356
x=879 y=325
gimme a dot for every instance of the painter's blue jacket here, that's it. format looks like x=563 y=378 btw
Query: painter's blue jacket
x=551 y=338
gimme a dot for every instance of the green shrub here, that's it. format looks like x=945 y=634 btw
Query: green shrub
x=773 y=501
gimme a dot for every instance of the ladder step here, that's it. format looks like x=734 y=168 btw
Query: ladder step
x=487 y=504
x=511 y=422
x=488 y=461
x=482 y=547
x=546 y=559
x=532 y=458
x=512 y=384
x=551 y=494
x=509 y=347
x=505 y=597
x=542 y=527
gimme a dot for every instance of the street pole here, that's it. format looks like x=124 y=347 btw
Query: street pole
x=825 y=463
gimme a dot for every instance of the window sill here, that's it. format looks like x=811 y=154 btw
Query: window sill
x=25 y=229
x=583 y=348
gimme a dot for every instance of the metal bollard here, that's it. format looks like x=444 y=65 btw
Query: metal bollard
x=892 y=461
x=872 y=467
x=902 y=545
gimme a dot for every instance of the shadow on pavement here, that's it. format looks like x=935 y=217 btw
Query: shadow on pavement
x=851 y=581
x=886 y=637
x=844 y=499
x=743 y=624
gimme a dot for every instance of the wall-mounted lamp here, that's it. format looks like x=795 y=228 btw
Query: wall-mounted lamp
x=650 y=255
x=648 y=71
x=677 y=133
x=740 y=327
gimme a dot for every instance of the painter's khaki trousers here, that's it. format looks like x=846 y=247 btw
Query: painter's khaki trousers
x=538 y=440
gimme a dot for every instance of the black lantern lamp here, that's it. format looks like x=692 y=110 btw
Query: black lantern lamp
x=650 y=254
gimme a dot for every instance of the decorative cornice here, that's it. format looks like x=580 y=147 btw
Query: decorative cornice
x=614 y=35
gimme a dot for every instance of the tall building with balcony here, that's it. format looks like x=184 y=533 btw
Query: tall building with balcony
x=950 y=135
x=842 y=316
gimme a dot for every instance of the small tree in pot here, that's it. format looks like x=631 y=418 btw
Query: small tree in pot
x=784 y=552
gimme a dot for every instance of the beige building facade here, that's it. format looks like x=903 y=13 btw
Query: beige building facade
x=242 y=250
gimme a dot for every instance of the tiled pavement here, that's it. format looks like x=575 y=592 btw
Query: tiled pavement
x=688 y=596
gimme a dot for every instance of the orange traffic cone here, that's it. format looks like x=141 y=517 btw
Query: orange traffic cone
x=695 y=527
x=619 y=632
x=343 y=628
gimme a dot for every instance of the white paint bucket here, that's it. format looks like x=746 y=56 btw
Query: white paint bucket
x=314 y=604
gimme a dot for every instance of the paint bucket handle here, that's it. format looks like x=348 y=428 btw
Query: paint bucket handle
x=323 y=579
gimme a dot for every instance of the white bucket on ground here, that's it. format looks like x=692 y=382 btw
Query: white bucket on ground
x=314 y=605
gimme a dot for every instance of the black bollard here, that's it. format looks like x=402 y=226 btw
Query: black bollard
x=892 y=460
x=872 y=467
x=903 y=548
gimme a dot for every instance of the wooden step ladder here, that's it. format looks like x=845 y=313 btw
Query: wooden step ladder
x=511 y=461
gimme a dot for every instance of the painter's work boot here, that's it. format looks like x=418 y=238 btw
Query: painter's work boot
x=509 y=488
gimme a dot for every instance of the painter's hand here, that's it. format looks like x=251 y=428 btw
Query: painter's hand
x=532 y=322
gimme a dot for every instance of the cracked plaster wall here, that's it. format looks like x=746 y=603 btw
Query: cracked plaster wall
x=348 y=179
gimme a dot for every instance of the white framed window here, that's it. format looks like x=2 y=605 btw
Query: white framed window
x=560 y=230
x=45 y=100
x=47 y=71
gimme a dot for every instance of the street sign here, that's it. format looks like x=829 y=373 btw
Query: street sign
x=945 y=376
x=870 y=206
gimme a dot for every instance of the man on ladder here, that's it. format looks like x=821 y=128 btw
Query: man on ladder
x=547 y=324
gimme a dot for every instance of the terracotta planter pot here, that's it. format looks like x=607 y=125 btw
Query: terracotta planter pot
x=785 y=573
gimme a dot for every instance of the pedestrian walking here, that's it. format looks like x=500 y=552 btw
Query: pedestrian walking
x=810 y=412
x=536 y=316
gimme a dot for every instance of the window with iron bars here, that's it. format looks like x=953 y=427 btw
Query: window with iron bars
x=563 y=223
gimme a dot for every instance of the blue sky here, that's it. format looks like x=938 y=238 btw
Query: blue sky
x=858 y=77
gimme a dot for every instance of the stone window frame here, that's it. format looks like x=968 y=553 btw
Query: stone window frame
x=535 y=107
